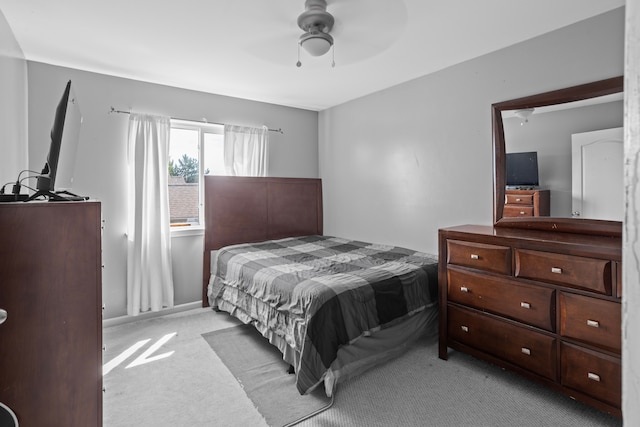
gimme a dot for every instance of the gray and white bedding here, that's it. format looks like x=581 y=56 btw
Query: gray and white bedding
x=318 y=293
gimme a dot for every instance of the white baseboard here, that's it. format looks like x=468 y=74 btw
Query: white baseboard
x=148 y=315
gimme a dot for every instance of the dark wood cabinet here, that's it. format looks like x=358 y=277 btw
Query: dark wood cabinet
x=51 y=290
x=545 y=305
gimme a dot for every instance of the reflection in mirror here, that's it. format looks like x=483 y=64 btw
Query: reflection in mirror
x=548 y=132
x=555 y=126
x=597 y=178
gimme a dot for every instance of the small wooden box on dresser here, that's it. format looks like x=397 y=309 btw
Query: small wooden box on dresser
x=545 y=305
x=51 y=294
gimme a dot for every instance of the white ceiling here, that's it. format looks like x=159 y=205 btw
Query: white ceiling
x=248 y=48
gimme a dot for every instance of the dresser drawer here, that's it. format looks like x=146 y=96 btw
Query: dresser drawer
x=534 y=305
x=527 y=349
x=595 y=374
x=573 y=271
x=515 y=211
x=479 y=255
x=519 y=199
x=591 y=320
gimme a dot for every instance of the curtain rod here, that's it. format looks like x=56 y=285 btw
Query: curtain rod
x=113 y=110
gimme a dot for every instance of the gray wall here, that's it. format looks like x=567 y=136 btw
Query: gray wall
x=13 y=106
x=101 y=157
x=399 y=164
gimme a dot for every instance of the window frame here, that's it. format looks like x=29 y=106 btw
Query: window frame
x=202 y=129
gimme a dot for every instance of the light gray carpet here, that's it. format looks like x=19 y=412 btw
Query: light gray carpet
x=189 y=388
x=419 y=389
x=192 y=387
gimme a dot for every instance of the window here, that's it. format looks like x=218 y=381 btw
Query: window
x=195 y=150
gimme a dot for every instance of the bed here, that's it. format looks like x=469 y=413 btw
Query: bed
x=334 y=307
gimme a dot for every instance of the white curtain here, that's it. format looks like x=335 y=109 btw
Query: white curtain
x=246 y=150
x=149 y=272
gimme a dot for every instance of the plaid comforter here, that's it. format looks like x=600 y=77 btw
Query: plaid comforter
x=319 y=292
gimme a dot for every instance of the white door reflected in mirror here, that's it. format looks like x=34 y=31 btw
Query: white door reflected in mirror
x=597 y=174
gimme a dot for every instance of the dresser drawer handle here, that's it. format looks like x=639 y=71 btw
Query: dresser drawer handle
x=518 y=199
x=526 y=351
x=475 y=256
x=522 y=213
x=464 y=328
x=556 y=270
x=593 y=323
x=464 y=289
x=593 y=377
x=525 y=305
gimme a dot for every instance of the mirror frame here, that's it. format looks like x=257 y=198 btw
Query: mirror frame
x=561 y=96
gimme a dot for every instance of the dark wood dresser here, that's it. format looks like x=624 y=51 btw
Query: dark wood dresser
x=51 y=291
x=545 y=305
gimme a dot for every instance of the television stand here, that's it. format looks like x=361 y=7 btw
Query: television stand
x=57 y=196
x=71 y=197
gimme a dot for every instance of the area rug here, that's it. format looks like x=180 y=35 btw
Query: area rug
x=260 y=370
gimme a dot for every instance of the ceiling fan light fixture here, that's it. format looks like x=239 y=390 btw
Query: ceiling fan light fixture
x=524 y=114
x=316 y=23
x=316 y=43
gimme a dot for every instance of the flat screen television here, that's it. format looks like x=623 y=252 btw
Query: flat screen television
x=522 y=170
x=56 y=179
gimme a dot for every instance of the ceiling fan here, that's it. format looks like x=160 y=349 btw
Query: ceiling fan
x=343 y=27
x=316 y=23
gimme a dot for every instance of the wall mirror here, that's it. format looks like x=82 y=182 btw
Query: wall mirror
x=555 y=126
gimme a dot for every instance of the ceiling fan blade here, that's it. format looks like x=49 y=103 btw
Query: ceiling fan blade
x=365 y=28
x=273 y=33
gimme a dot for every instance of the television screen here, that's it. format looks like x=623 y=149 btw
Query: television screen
x=522 y=169
x=56 y=178
x=63 y=179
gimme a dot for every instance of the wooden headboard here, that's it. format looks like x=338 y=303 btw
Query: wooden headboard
x=253 y=209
